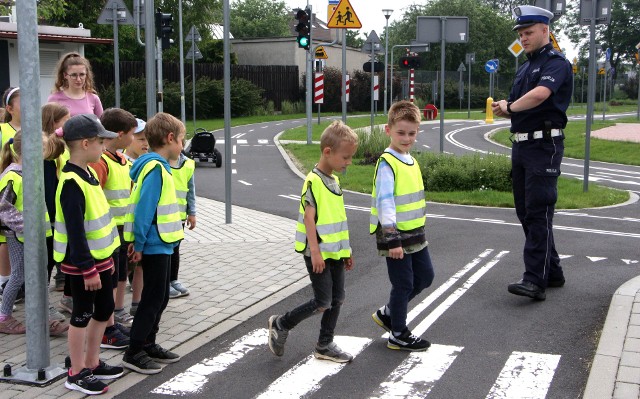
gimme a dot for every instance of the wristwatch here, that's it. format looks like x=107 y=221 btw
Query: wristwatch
x=509 y=107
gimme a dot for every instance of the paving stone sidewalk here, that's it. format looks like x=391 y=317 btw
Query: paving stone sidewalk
x=233 y=271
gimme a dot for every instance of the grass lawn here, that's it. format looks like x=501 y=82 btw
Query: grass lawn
x=623 y=152
x=360 y=178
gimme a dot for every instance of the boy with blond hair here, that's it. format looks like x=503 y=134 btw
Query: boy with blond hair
x=322 y=236
x=397 y=219
x=154 y=227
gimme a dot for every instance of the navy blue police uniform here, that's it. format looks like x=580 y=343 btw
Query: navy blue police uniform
x=536 y=157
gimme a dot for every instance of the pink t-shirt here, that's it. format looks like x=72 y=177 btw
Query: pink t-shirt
x=89 y=104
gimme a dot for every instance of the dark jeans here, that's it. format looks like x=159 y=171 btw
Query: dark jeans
x=328 y=292
x=120 y=260
x=175 y=263
x=154 y=299
x=535 y=170
x=409 y=276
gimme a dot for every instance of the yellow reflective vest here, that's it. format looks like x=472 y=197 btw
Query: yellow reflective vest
x=331 y=220
x=168 y=220
x=181 y=176
x=408 y=195
x=16 y=178
x=117 y=188
x=6 y=132
x=99 y=228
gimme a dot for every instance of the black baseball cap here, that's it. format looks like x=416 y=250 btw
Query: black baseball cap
x=85 y=126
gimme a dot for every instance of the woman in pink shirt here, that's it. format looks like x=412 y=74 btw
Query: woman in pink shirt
x=74 y=86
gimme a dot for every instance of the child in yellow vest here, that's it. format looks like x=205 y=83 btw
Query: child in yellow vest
x=85 y=239
x=322 y=236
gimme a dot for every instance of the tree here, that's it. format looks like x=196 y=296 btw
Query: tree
x=353 y=39
x=259 y=18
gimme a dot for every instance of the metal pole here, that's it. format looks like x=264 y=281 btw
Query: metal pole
x=160 y=94
x=371 y=92
x=386 y=62
x=309 y=84
x=442 y=23
x=582 y=89
x=391 y=85
x=116 y=55
x=604 y=88
x=638 y=80
x=182 y=105
x=37 y=300
x=344 y=75
x=573 y=88
x=227 y=111
x=591 y=96
x=318 y=113
x=193 y=83
x=150 y=57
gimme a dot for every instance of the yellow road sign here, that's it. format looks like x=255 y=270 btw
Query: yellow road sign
x=555 y=42
x=344 y=17
x=321 y=53
x=601 y=71
x=516 y=48
x=330 y=9
x=638 y=58
x=575 y=69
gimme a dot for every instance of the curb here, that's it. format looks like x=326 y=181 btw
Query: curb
x=604 y=369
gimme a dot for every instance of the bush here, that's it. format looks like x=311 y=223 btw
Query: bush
x=289 y=108
x=371 y=145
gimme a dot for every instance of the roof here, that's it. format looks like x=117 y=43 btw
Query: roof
x=9 y=30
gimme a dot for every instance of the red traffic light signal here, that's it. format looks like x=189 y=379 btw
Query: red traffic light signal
x=410 y=62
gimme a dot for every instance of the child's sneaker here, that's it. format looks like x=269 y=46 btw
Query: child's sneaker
x=382 y=320
x=86 y=383
x=103 y=371
x=126 y=331
x=332 y=352
x=54 y=314
x=177 y=285
x=277 y=336
x=141 y=363
x=161 y=355
x=173 y=293
x=66 y=304
x=12 y=326
x=114 y=339
x=407 y=342
x=123 y=317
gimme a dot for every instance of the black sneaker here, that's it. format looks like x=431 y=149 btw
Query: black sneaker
x=407 y=342
x=332 y=352
x=382 y=320
x=114 y=339
x=86 y=383
x=161 y=355
x=277 y=336
x=141 y=363
x=106 y=372
x=126 y=331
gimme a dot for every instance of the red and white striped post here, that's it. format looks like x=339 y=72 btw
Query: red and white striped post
x=318 y=91
x=376 y=88
x=347 y=89
x=411 y=84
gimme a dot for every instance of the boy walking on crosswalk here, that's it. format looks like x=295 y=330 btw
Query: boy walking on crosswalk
x=322 y=236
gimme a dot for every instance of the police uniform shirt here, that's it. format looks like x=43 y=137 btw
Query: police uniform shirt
x=549 y=68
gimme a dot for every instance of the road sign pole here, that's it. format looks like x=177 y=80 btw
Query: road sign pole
x=469 y=95
x=638 y=81
x=591 y=95
x=309 y=79
x=344 y=75
x=150 y=57
x=160 y=94
x=227 y=106
x=182 y=100
x=604 y=91
x=116 y=55
x=373 y=46
x=442 y=54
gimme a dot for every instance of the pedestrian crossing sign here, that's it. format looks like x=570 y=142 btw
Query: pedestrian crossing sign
x=344 y=17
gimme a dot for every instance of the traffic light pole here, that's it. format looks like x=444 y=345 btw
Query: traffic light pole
x=309 y=99
x=159 y=95
x=442 y=54
x=150 y=56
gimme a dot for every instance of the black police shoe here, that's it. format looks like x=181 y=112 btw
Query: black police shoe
x=555 y=282
x=527 y=288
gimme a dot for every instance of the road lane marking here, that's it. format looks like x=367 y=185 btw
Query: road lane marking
x=233 y=171
x=451 y=299
x=245 y=183
x=237 y=136
x=263 y=141
x=196 y=376
x=525 y=375
x=234 y=150
x=241 y=142
x=418 y=373
x=305 y=377
x=595 y=258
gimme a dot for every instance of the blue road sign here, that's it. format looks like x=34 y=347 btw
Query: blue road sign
x=608 y=53
x=491 y=66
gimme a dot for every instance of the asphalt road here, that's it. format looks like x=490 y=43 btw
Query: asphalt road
x=486 y=342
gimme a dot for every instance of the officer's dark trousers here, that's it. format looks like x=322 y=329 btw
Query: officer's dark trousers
x=535 y=170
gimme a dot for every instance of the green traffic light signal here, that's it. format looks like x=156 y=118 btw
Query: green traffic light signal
x=303 y=42
x=303 y=27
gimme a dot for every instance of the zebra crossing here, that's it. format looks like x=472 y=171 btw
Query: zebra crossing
x=524 y=374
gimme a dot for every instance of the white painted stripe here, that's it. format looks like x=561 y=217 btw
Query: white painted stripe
x=234 y=150
x=266 y=126
x=595 y=258
x=424 y=145
x=242 y=141
x=233 y=171
x=290 y=196
x=451 y=299
x=435 y=128
x=304 y=378
x=525 y=375
x=251 y=130
x=238 y=135
x=263 y=141
x=245 y=183
x=418 y=373
x=564 y=256
x=233 y=160
x=279 y=123
x=194 y=378
x=629 y=261
x=219 y=141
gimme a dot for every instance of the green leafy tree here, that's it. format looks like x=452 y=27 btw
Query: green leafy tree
x=47 y=9
x=353 y=39
x=259 y=18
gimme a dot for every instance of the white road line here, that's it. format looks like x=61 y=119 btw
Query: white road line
x=457 y=124
x=233 y=160
x=435 y=128
x=245 y=183
x=219 y=141
x=264 y=127
x=233 y=171
x=242 y=141
x=595 y=258
x=279 y=123
x=290 y=196
x=237 y=136
x=234 y=150
x=305 y=377
x=451 y=299
x=586 y=215
x=263 y=141
x=525 y=375
x=196 y=376
x=251 y=130
x=418 y=373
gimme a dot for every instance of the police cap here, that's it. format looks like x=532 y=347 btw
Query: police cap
x=531 y=15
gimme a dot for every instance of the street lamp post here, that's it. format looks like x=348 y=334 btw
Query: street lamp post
x=387 y=14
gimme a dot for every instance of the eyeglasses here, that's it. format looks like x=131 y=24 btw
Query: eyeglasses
x=77 y=75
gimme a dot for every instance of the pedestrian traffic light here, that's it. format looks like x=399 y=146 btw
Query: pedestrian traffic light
x=410 y=62
x=303 y=27
x=164 y=28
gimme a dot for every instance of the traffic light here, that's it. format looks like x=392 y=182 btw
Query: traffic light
x=164 y=28
x=410 y=62
x=303 y=27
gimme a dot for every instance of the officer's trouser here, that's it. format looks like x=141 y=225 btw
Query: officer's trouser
x=535 y=170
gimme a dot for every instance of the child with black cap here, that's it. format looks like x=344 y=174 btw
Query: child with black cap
x=85 y=238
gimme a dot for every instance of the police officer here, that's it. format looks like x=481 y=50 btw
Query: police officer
x=537 y=107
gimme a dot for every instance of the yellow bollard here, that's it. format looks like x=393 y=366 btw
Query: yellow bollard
x=489 y=117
